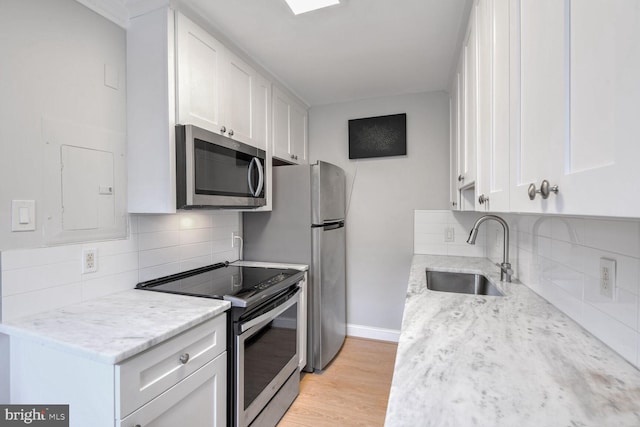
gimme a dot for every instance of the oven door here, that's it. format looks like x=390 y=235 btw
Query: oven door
x=266 y=356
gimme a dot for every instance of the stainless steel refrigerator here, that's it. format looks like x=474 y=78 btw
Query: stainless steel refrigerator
x=307 y=226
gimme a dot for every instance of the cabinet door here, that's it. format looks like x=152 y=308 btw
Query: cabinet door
x=579 y=93
x=261 y=113
x=492 y=185
x=280 y=125
x=197 y=401
x=602 y=147
x=455 y=139
x=540 y=82
x=200 y=60
x=298 y=133
x=469 y=103
x=289 y=129
x=240 y=87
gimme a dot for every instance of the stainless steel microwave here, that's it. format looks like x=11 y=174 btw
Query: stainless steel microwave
x=213 y=171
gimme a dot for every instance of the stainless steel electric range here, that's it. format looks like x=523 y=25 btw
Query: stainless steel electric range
x=262 y=334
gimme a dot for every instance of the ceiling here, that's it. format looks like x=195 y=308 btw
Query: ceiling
x=357 y=50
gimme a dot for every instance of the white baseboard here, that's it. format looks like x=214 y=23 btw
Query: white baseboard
x=380 y=334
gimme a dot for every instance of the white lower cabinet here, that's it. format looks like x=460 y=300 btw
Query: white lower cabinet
x=179 y=382
x=175 y=377
x=197 y=401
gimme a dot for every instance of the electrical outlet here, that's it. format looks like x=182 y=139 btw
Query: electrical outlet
x=607 y=277
x=234 y=239
x=89 y=260
x=449 y=235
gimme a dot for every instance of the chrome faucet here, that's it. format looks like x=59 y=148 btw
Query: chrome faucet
x=505 y=267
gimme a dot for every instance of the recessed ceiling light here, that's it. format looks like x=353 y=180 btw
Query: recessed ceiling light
x=303 y=6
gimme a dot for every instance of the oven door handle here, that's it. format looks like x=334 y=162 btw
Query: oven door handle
x=267 y=317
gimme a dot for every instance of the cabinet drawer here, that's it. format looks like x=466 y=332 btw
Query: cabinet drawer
x=150 y=373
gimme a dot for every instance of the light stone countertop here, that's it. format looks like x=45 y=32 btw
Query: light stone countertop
x=116 y=327
x=516 y=360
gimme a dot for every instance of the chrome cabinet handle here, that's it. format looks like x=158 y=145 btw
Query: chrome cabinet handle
x=223 y=129
x=483 y=199
x=544 y=191
x=230 y=132
x=460 y=178
x=184 y=358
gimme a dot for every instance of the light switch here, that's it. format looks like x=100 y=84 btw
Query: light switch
x=23 y=215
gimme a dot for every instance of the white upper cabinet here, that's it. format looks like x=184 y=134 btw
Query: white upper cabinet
x=492 y=187
x=550 y=101
x=289 y=129
x=579 y=107
x=177 y=73
x=217 y=90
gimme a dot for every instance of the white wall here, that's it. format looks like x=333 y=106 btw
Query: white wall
x=54 y=54
x=383 y=195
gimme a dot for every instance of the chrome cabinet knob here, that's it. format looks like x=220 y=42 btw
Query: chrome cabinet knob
x=223 y=129
x=230 y=132
x=460 y=178
x=184 y=358
x=453 y=203
x=544 y=191
x=296 y=157
x=483 y=199
x=293 y=157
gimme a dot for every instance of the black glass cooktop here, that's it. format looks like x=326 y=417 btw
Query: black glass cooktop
x=243 y=286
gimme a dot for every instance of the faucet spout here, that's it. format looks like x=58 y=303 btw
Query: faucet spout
x=505 y=267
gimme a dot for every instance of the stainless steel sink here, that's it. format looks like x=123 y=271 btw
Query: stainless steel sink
x=461 y=283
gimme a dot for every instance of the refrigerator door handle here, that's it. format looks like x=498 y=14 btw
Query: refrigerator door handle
x=334 y=226
x=329 y=225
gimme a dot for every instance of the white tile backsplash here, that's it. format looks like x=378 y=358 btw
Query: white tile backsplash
x=430 y=231
x=559 y=258
x=41 y=279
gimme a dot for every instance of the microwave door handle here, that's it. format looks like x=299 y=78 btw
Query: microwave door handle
x=255 y=162
x=249 y=175
x=260 y=176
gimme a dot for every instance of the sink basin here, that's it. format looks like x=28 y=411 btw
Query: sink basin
x=461 y=283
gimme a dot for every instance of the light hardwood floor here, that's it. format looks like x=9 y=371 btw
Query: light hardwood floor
x=352 y=391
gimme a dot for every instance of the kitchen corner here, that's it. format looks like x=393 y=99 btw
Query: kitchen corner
x=502 y=361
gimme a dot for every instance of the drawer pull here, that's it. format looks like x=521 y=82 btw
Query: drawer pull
x=184 y=358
